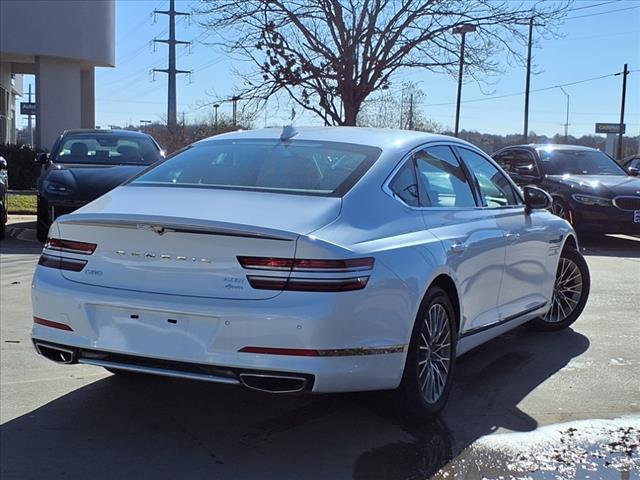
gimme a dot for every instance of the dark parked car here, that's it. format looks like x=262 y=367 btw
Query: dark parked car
x=589 y=189
x=85 y=164
x=4 y=186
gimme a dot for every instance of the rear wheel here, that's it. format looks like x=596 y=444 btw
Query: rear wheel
x=430 y=361
x=570 y=292
x=42 y=224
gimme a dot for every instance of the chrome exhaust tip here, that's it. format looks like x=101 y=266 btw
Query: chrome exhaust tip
x=273 y=383
x=56 y=354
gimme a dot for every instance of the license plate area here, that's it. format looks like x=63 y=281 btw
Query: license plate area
x=636 y=216
x=142 y=331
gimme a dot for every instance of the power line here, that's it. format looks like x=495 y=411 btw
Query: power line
x=495 y=97
x=601 y=13
x=592 y=6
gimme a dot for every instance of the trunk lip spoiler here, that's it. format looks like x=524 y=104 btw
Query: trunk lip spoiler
x=165 y=225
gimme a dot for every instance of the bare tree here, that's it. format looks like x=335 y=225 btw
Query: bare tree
x=331 y=55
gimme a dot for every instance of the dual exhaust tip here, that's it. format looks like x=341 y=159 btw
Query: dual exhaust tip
x=262 y=382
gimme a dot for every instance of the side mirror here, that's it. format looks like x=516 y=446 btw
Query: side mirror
x=536 y=199
x=41 y=158
x=3 y=163
x=633 y=171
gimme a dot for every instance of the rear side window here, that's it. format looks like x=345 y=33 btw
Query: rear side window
x=443 y=178
x=298 y=167
x=405 y=185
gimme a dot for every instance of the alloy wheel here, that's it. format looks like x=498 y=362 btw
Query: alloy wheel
x=434 y=356
x=567 y=291
x=559 y=210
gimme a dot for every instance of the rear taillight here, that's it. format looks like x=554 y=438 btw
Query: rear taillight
x=52 y=324
x=70 y=246
x=307 y=284
x=66 y=246
x=62 y=263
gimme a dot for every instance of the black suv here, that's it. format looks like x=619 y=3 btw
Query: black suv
x=589 y=189
x=85 y=164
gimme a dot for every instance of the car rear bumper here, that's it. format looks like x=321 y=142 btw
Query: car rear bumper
x=359 y=347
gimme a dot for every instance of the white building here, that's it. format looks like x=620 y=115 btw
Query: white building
x=60 y=42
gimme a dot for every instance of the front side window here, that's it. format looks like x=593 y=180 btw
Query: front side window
x=297 y=167
x=443 y=178
x=520 y=162
x=107 y=149
x=494 y=187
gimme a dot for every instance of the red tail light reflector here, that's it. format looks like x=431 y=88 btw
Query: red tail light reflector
x=297 y=352
x=308 y=284
x=70 y=246
x=49 y=323
x=266 y=263
x=62 y=263
x=307 y=264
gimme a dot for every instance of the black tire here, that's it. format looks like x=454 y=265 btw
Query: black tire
x=567 y=305
x=3 y=227
x=43 y=223
x=411 y=393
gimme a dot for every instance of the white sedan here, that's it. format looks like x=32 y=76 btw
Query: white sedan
x=311 y=260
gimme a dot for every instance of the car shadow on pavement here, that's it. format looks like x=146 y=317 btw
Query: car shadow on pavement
x=152 y=427
x=20 y=239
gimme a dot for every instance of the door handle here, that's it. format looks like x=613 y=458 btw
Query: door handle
x=512 y=237
x=458 y=248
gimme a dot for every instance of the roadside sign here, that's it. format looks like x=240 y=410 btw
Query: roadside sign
x=610 y=128
x=27 y=108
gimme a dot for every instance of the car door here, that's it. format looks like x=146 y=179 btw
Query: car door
x=527 y=238
x=472 y=240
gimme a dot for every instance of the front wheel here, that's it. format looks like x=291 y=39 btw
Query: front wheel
x=570 y=292
x=42 y=223
x=430 y=360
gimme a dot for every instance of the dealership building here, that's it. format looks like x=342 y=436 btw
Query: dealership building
x=61 y=42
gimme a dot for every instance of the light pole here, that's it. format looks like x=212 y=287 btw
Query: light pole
x=462 y=30
x=215 y=115
x=566 y=123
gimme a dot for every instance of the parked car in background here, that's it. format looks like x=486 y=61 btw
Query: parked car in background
x=85 y=164
x=589 y=189
x=319 y=260
x=4 y=187
x=632 y=163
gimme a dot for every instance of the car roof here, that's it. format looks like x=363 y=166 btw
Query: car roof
x=383 y=138
x=551 y=146
x=123 y=133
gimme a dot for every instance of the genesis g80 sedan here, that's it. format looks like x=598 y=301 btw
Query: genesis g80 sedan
x=311 y=260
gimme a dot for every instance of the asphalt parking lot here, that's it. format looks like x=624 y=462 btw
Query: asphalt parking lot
x=526 y=405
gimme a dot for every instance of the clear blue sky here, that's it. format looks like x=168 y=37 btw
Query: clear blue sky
x=591 y=46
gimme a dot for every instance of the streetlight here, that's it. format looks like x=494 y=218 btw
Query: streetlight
x=462 y=30
x=215 y=115
x=566 y=123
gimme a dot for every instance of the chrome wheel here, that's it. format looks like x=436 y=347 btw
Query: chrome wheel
x=559 y=210
x=567 y=291
x=434 y=356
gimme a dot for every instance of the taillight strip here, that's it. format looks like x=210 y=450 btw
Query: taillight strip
x=308 y=284
x=307 y=264
x=52 y=324
x=62 y=263
x=70 y=246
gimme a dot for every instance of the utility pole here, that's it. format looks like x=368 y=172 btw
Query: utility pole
x=235 y=99
x=624 y=74
x=462 y=30
x=29 y=124
x=215 y=116
x=566 y=123
x=525 y=134
x=402 y=108
x=171 y=71
x=411 y=112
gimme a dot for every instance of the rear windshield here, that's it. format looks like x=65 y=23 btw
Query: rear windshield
x=107 y=149
x=578 y=162
x=299 y=167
